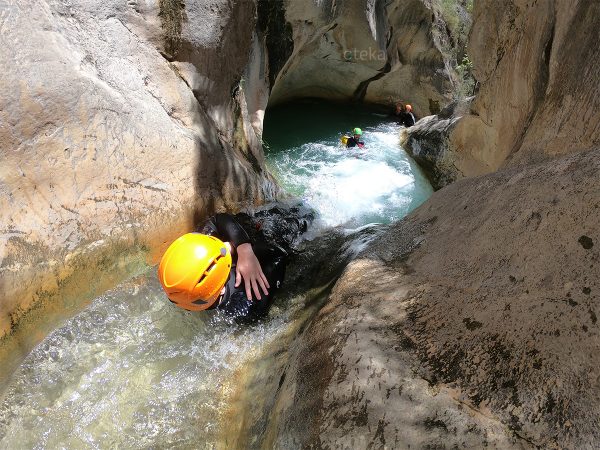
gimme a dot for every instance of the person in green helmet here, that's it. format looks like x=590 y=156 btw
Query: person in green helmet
x=355 y=141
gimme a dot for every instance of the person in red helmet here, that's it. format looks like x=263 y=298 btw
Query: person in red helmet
x=410 y=119
x=403 y=115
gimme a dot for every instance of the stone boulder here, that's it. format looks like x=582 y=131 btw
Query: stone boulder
x=428 y=142
x=353 y=381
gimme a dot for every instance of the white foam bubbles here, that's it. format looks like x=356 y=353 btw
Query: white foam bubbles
x=352 y=188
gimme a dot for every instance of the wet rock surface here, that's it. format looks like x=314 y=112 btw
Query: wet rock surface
x=428 y=143
x=537 y=65
x=113 y=141
x=472 y=322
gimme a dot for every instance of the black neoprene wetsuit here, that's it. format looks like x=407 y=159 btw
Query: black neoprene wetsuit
x=234 y=301
x=405 y=118
x=353 y=142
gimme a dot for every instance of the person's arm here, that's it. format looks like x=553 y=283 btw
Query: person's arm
x=226 y=228
x=248 y=268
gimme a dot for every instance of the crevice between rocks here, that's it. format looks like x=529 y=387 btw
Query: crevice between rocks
x=361 y=90
x=540 y=91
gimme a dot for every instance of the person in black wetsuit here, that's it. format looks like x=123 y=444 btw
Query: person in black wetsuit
x=260 y=266
x=354 y=140
x=403 y=115
x=234 y=273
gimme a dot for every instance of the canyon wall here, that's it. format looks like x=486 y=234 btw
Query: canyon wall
x=121 y=125
x=538 y=69
x=365 y=51
x=473 y=321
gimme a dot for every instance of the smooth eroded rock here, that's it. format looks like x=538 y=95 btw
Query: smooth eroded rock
x=106 y=152
x=360 y=50
x=538 y=68
x=472 y=322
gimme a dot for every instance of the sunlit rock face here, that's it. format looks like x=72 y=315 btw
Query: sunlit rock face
x=488 y=291
x=364 y=50
x=353 y=379
x=546 y=69
x=122 y=122
x=474 y=321
x=538 y=68
x=429 y=143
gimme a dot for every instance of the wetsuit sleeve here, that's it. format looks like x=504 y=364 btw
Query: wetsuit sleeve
x=225 y=227
x=410 y=119
x=235 y=303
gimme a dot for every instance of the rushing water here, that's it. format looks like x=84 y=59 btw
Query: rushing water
x=346 y=186
x=132 y=371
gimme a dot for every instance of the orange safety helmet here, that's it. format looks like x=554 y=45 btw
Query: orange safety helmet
x=408 y=108
x=193 y=270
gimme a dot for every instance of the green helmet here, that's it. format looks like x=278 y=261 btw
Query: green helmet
x=357 y=131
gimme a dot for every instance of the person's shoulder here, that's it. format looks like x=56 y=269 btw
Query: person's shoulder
x=224 y=215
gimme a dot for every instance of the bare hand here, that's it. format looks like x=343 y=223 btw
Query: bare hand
x=248 y=268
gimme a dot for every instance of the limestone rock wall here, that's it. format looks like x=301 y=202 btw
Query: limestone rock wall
x=361 y=50
x=352 y=380
x=115 y=138
x=472 y=322
x=538 y=66
x=478 y=312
